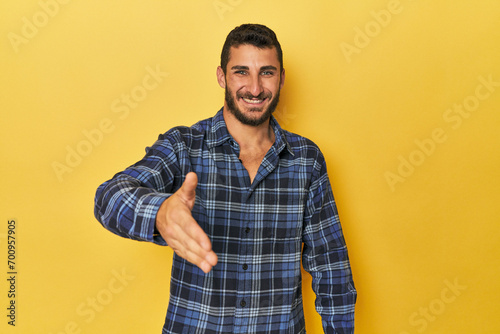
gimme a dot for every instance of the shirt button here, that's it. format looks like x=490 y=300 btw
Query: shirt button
x=245 y=266
x=247 y=230
x=243 y=303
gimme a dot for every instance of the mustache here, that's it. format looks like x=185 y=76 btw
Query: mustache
x=261 y=96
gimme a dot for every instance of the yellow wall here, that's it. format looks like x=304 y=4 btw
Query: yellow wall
x=402 y=96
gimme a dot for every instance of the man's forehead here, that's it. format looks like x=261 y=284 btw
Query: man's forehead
x=248 y=52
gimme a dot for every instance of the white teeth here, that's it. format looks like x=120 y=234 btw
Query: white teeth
x=252 y=101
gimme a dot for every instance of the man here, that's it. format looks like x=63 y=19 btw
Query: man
x=237 y=197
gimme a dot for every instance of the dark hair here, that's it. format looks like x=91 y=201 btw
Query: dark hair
x=253 y=34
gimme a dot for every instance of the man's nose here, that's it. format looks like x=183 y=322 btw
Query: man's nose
x=255 y=85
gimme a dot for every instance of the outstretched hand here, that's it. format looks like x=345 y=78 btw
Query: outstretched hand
x=182 y=233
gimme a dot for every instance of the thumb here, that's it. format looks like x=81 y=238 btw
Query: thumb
x=188 y=189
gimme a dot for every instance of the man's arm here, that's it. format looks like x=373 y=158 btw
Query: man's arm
x=325 y=258
x=139 y=203
x=127 y=207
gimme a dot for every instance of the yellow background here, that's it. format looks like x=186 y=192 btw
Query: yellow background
x=373 y=83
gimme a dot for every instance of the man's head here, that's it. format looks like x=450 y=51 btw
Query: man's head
x=257 y=35
x=251 y=73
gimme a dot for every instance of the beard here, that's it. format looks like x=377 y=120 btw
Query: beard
x=240 y=116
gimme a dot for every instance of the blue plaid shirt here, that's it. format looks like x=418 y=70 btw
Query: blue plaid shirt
x=259 y=231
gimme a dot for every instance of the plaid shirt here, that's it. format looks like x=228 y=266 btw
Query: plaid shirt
x=257 y=230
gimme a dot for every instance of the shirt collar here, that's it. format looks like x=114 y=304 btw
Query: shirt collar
x=218 y=133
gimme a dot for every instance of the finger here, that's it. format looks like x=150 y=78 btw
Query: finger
x=193 y=232
x=189 y=249
x=211 y=258
x=202 y=241
x=188 y=189
x=196 y=233
x=199 y=238
x=197 y=241
x=192 y=257
x=202 y=262
x=193 y=239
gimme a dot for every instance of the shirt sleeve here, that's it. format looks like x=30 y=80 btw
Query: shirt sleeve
x=128 y=203
x=325 y=257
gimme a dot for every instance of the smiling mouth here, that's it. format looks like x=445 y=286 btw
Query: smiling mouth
x=253 y=101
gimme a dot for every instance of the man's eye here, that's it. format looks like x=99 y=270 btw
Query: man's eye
x=267 y=73
x=241 y=72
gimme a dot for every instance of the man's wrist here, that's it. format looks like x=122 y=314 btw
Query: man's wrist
x=147 y=213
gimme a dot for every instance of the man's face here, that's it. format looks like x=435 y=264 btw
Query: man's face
x=252 y=83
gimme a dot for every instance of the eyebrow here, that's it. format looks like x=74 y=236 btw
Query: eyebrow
x=239 y=67
x=263 y=68
x=268 y=67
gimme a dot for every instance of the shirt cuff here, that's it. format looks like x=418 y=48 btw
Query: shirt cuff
x=145 y=219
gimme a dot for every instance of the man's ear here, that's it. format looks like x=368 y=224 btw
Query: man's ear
x=282 y=78
x=221 y=77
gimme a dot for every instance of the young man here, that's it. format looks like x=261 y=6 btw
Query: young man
x=240 y=201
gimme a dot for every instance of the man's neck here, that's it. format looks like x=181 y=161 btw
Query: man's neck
x=249 y=137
